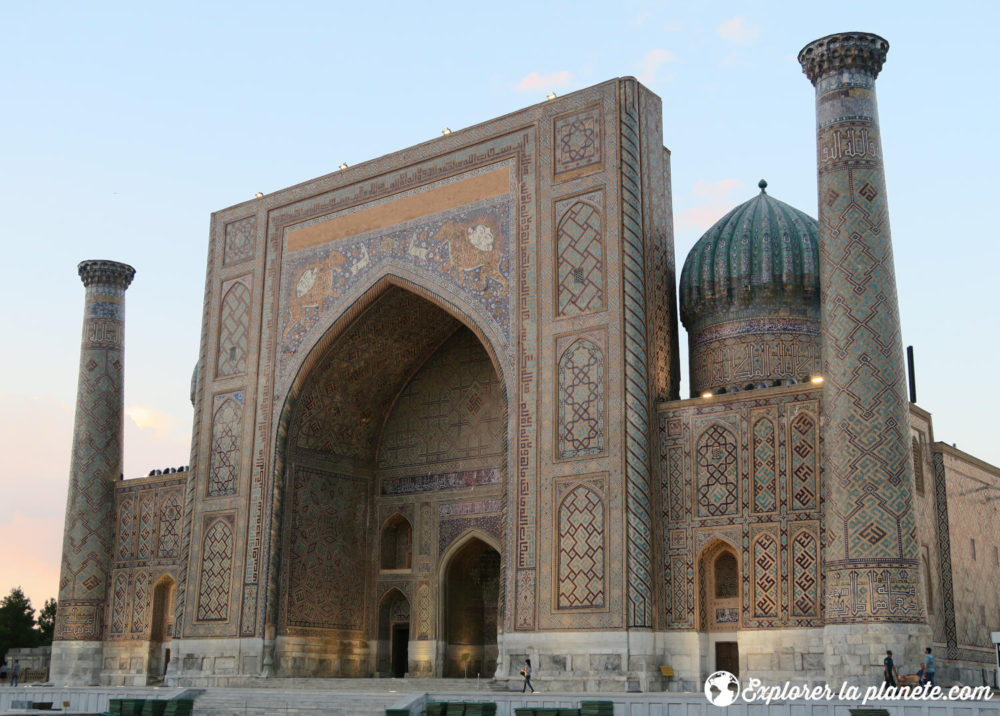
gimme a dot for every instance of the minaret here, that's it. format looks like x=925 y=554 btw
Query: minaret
x=871 y=559
x=96 y=464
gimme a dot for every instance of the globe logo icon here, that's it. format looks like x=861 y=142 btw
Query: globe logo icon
x=722 y=688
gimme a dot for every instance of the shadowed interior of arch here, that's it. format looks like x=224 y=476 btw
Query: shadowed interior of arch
x=396 y=445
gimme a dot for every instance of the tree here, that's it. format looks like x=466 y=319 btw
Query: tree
x=17 y=622
x=47 y=623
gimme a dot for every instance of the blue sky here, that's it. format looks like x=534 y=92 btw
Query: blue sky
x=125 y=125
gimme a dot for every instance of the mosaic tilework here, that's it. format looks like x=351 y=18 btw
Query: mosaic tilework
x=451 y=529
x=424 y=612
x=580 y=256
x=943 y=532
x=332 y=196
x=147 y=528
x=581 y=550
x=754 y=352
x=216 y=570
x=637 y=456
x=765 y=464
x=142 y=595
x=326 y=547
x=779 y=588
x=443 y=481
x=340 y=407
x=764 y=600
x=803 y=455
x=119 y=604
x=581 y=400
x=468 y=249
x=804 y=555
x=452 y=409
x=227 y=424
x=718 y=472
x=872 y=567
x=240 y=241
x=170 y=517
x=234 y=327
x=95 y=465
x=126 y=530
x=577 y=141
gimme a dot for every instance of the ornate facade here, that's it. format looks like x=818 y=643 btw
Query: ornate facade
x=438 y=430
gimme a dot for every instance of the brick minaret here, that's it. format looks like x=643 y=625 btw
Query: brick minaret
x=96 y=465
x=872 y=574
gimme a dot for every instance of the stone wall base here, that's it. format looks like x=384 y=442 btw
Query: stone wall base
x=76 y=663
x=855 y=652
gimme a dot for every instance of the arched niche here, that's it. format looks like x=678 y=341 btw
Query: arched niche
x=396 y=544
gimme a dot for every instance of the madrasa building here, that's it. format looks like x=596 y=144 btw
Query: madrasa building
x=438 y=429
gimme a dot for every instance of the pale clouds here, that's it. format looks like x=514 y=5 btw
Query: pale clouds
x=535 y=82
x=712 y=200
x=651 y=63
x=737 y=29
x=144 y=417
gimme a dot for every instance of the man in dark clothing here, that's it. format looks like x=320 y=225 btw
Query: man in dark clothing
x=891 y=675
x=15 y=673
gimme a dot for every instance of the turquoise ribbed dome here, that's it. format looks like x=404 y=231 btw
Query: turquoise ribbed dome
x=761 y=257
x=749 y=299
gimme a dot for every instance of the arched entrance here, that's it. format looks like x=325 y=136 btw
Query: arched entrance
x=161 y=629
x=719 y=606
x=395 y=443
x=393 y=634
x=471 y=590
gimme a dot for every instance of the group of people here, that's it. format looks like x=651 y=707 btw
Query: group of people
x=925 y=673
x=15 y=673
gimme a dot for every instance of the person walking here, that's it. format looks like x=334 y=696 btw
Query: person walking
x=3 y=674
x=15 y=673
x=928 y=667
x=889 y=669
x=526 y=673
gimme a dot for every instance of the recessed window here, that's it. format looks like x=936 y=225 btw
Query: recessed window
x=726 y=576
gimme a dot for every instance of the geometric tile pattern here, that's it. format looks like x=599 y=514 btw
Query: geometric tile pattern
x=872 y=566
x=577 y=140
x=240 y=240
x=126 y=530
x=805 y=599
x=765 y=462
x=638 y=510
x=96 y=459
x=119 y=604
x=234 y=324
x=358 y=377
x=216 y=570
x=804 y=454
x=170 y=517
x=718 y=470
x=326 y=550
x=227 y=425
x=581 y=400
x=423 y=612
x=581 y=550
x=452 y=409
x=757 y=432
x=141 y=598
x=944 y=555
x=580 y=259
x=147 y=534
x=766 y=580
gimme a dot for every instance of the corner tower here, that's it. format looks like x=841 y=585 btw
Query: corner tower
x=872 y=575
x=95 y=466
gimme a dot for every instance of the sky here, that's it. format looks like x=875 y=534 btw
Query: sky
x=124 y=125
